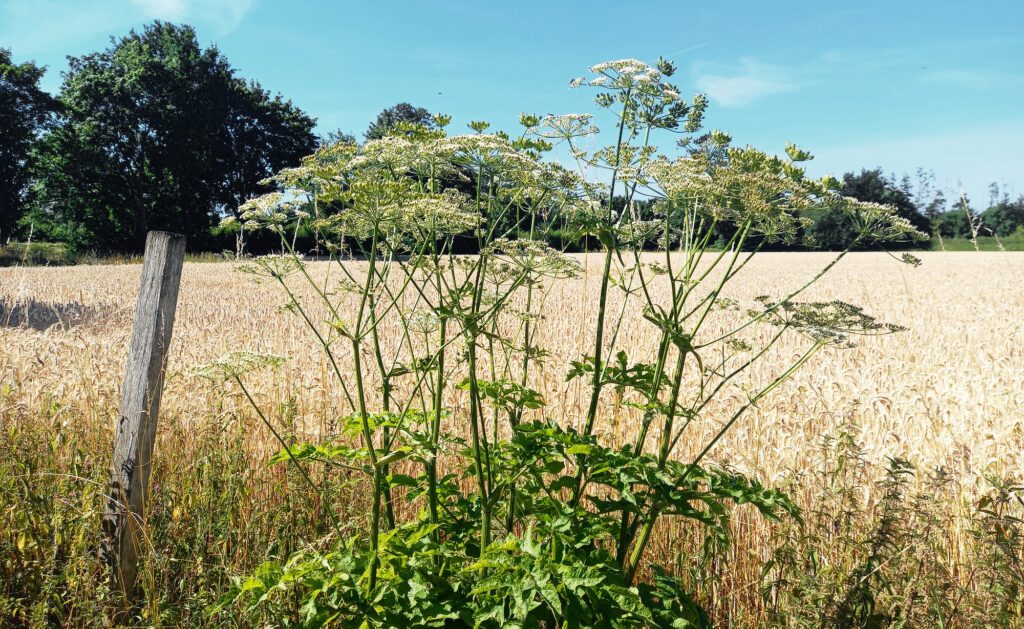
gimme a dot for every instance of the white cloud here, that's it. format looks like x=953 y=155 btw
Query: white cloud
x=740 y=87
x=34 y=27
x=973 y=80
x=38 y=27
x=224 y=15
x=740 y=84
x=167 y=9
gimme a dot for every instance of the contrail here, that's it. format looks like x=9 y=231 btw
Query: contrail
x=691 y=48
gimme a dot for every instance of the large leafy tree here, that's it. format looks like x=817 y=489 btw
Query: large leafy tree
x=336 y=136
x=389 y=118
x=25 y=110
x=1005 y=217
x=160 y=134
x=1002 y=219
x=833 y=232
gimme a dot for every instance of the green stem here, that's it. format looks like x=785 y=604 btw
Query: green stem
x=386 y=395
x=670 y=412
x=435 y=433
x=474 y=418
x=641 y=545
x=645 y=533
x=291 y=457
x=364 y=417
x=368 y=440
x=595 y=393
x=598 y=383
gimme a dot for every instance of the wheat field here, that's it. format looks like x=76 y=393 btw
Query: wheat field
x=947 y=393
x=951 y=386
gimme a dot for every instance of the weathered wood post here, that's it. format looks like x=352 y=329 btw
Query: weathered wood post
x=135 y=431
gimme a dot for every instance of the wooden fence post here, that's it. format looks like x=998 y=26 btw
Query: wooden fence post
x=135 y=431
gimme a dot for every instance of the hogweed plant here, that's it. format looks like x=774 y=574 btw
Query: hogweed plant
x=483 y=513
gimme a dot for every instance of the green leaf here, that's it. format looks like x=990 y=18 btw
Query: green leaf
x=402 y=480
x=392 y=457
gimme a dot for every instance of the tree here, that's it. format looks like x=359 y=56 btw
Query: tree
x=873 y=186
x=959 y=221
x=160 y=134
x=25 y=110
x=1004 y=218
x=260 y=135
x=388 y=119
x=336 y=136
x=833 y=232
x=929 y=199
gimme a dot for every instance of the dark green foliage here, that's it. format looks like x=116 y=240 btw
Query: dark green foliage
x=873 y=186
x=1004 y=218
x=887 y=564
x=25 y=111
x=999 y=527
x=34 y=254
x=1001 y=220
x=159 y=134
x=336 y=136
x=857 y=605
x=402 y=113
x=553 y=566
x=833 y=232
x=929 y=199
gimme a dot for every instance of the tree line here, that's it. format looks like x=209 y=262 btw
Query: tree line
x=156 y=132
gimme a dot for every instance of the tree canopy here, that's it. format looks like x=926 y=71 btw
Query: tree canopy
x=1003 y=219
x=388 y=119
x=833 y=232
x=25 y=110
x=159 y=133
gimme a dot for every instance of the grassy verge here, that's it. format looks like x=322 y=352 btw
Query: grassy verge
x=219 y=510
x=985 y=243
x=35 y=254
x=56 y=254
x=216 y=510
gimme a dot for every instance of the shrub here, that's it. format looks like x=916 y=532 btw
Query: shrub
x=34 y=253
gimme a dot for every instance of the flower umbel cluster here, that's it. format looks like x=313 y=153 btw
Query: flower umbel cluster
x=235 y=364
x=826 y=323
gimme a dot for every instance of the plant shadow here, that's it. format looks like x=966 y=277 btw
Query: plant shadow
x=42 y=315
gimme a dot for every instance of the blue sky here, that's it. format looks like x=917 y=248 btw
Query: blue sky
x=898 y=84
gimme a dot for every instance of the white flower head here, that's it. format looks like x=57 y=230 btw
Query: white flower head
x=567 y=126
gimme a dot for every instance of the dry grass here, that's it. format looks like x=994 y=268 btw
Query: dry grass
x=947 y=393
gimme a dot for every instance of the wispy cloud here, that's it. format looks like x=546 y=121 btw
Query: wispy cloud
x=224 y=15
x=34 y=27
x=169 y=9
x=37 y=27
x=740 y=86
x=973 y=80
